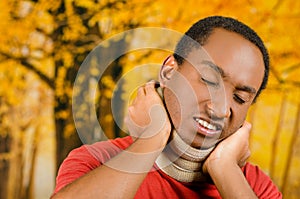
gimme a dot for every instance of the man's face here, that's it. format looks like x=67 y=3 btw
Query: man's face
x=208 y=97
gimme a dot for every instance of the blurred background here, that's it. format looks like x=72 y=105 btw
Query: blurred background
x=44 y=42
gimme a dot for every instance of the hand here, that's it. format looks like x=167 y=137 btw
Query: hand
x=147 y=116
x=232 y=150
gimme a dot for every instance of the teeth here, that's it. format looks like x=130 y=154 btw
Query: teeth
x=206 y=124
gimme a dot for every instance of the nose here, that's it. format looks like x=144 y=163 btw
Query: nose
x=218 y=109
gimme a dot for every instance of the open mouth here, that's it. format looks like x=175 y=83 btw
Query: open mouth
x=206 y=128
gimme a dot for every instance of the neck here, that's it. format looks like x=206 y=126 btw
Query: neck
x=181 y=161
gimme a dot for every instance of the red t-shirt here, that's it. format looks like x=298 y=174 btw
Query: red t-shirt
x=156 y=184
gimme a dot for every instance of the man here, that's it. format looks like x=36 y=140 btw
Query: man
x=193 y=143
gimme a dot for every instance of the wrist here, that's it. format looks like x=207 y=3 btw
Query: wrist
x=219 y=165
x=229 y=179
x=150 y=144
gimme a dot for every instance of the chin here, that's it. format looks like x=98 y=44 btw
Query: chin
x=196 y=140
x=200 y=143
x=202 y=146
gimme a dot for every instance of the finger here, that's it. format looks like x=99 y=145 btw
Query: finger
x=134 y=129
x=150 y=86
x=158 y=121
x=141 y=91
x=247 y=126
x=244 y=131
x=133 y=101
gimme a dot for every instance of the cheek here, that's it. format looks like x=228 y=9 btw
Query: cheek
x=204 y=94
x=173 y=106
x=181 y=105
x=237 y=120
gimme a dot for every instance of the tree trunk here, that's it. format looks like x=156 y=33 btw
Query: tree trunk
x=5 y=148
x=64 y=143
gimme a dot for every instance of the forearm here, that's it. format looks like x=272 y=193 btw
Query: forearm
x=120 y=177
x=230 y=180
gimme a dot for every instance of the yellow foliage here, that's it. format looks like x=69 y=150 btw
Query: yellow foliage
x=28 y=31
x=85 y=4
x=69 y=130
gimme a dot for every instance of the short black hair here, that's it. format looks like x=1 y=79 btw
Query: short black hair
x=201 y=30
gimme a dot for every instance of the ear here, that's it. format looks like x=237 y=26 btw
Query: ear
x=167 y=70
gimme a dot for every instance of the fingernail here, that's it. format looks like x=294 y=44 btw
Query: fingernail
x=247 y=125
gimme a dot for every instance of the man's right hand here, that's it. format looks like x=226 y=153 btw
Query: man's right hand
x=147 y=117
x=122 y=175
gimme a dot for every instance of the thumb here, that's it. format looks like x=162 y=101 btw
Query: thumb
x=244 y=130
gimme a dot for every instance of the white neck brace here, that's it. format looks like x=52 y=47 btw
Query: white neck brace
x=181 y=161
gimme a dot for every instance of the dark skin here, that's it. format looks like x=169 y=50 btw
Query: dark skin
x=219 y=94
x=243 y=67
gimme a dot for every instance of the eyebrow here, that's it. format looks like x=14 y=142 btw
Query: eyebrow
x=219 y=70
x=246 y=89
x=215 y=67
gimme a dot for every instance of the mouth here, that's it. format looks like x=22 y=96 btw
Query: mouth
x=206 y=128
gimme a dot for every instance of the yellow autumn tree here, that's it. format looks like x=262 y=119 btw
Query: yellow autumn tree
x=49 y=40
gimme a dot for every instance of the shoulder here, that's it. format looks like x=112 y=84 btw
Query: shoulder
x=260 y=182
x=105 y=150
x=88 y=157
x=99 y=151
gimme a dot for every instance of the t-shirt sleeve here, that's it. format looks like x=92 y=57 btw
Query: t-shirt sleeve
x=261 y=184
x=84 y=159
x=78 y=163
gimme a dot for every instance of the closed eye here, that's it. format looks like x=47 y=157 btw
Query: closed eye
x=210 y=83
x=238 y=99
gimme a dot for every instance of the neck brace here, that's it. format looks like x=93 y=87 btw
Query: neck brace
x=181 y=161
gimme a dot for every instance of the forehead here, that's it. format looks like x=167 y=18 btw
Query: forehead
x=240 y=60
